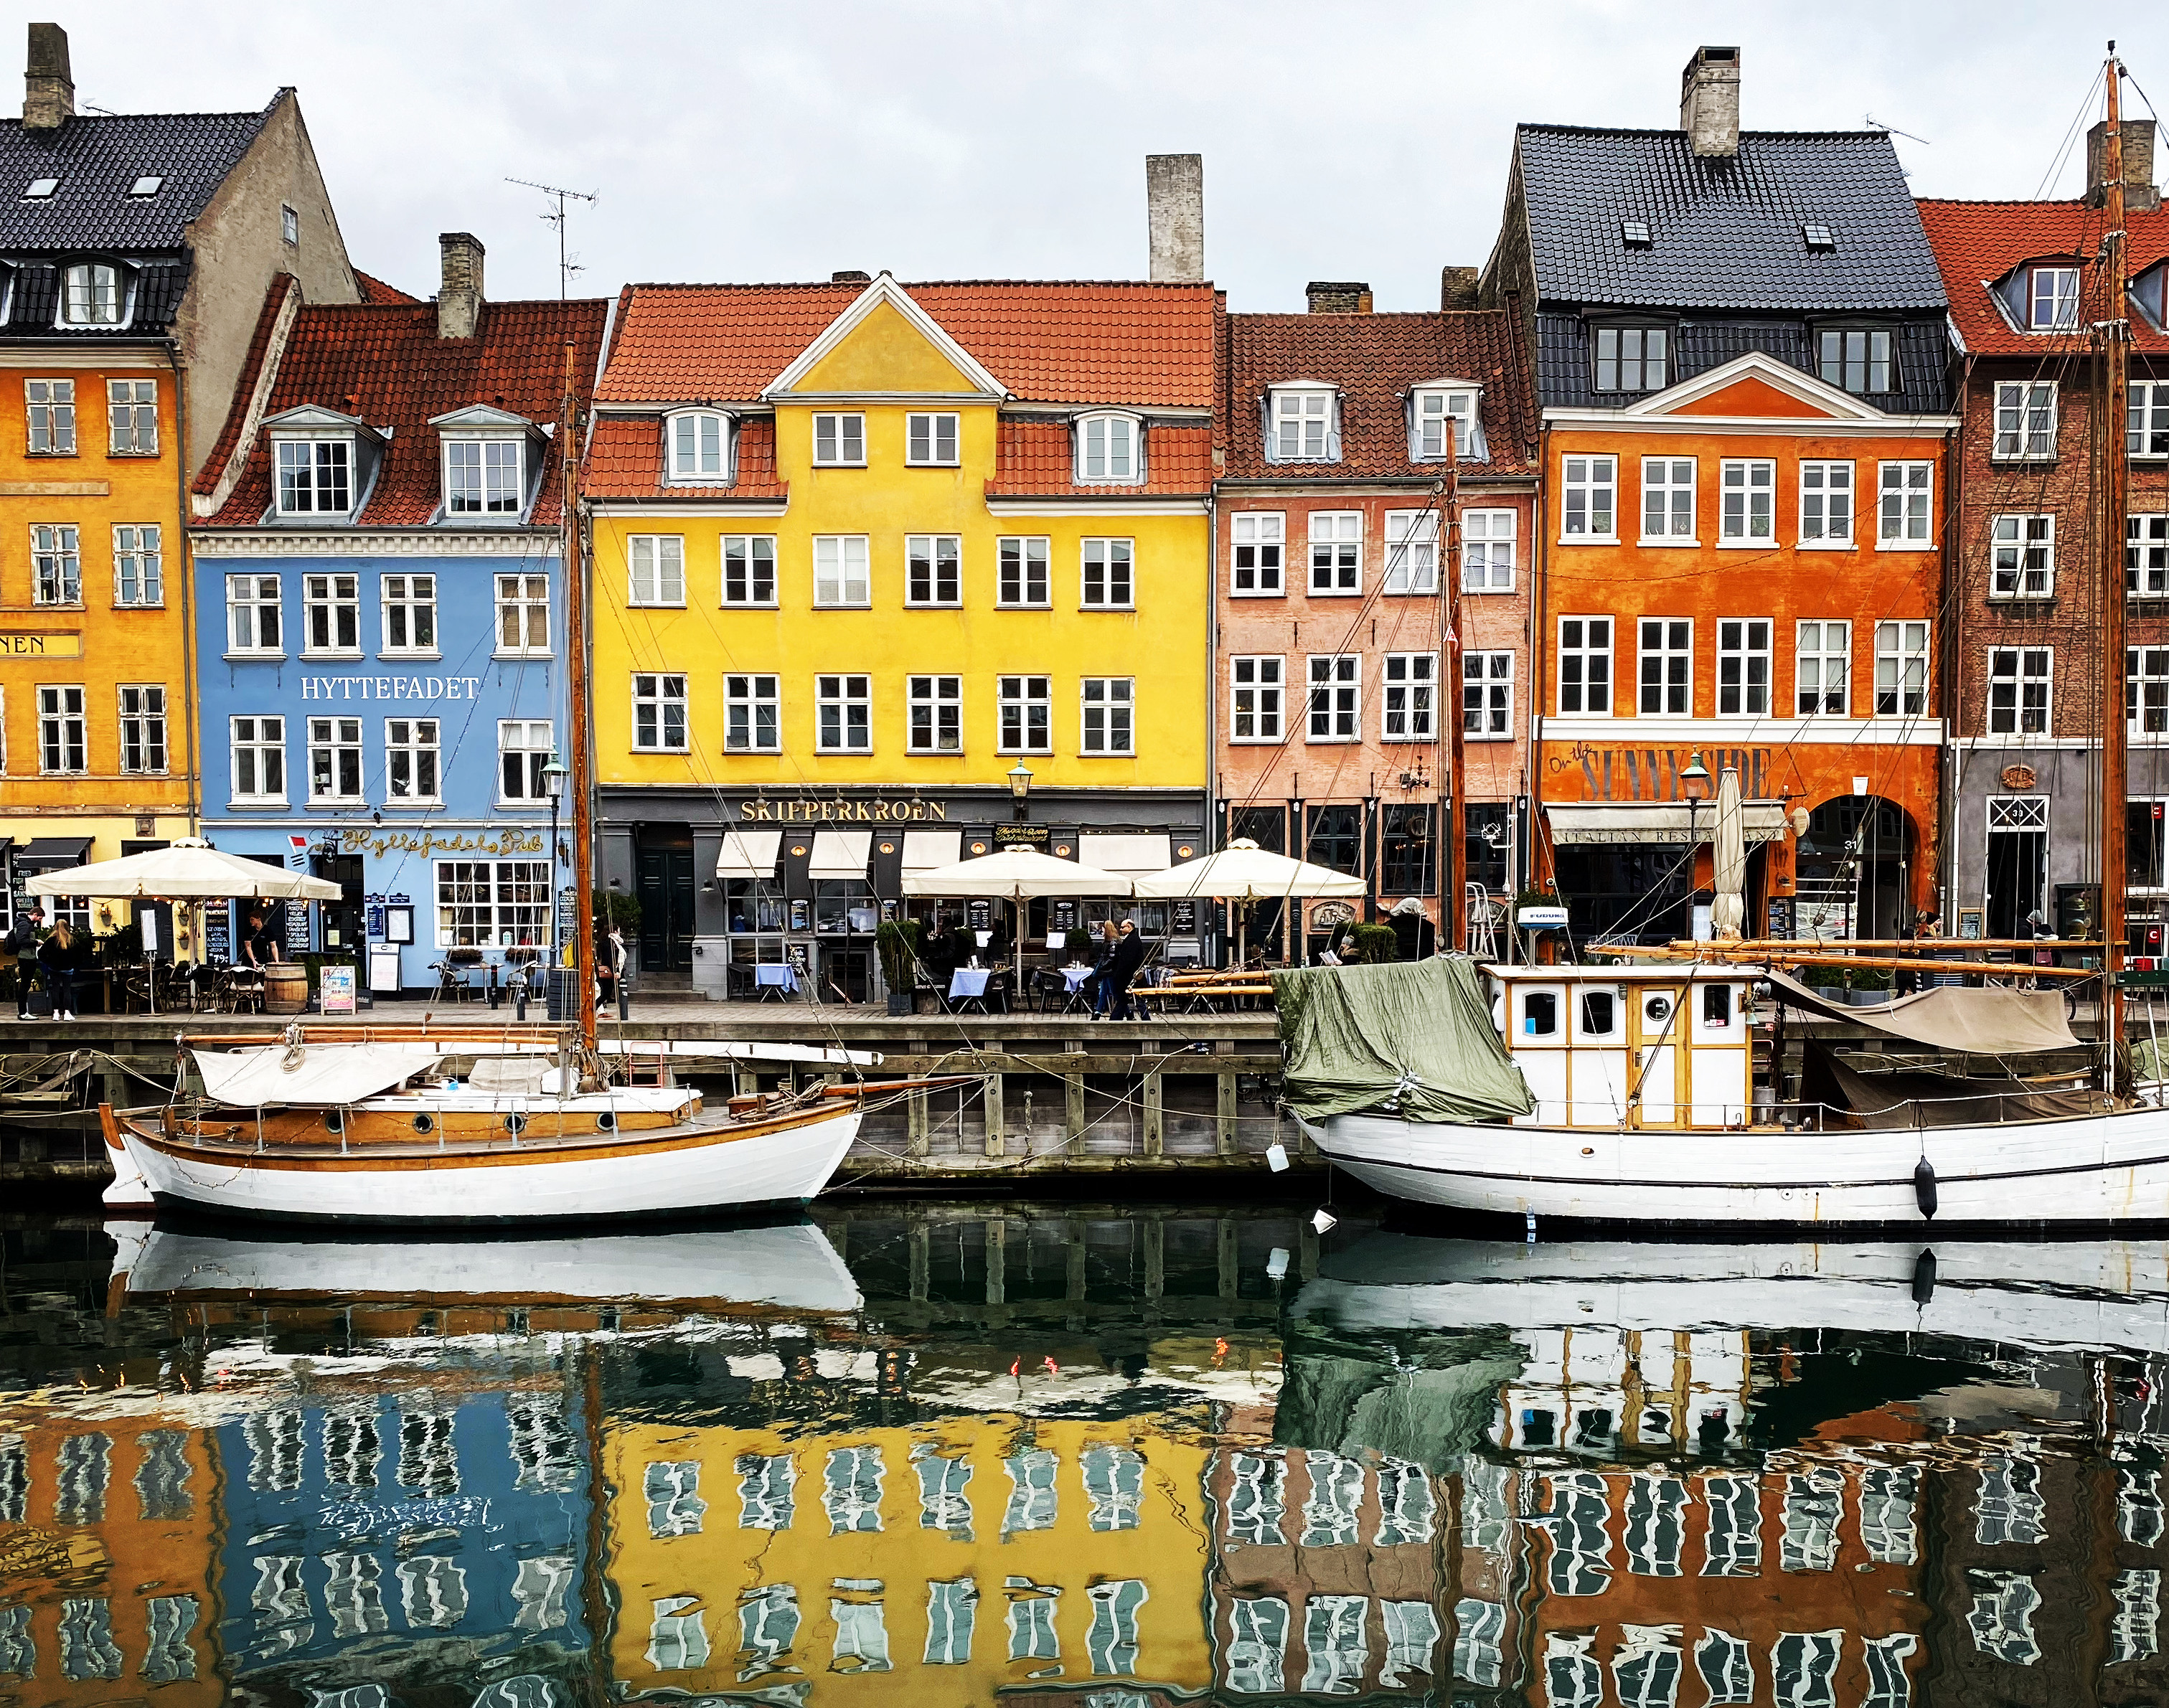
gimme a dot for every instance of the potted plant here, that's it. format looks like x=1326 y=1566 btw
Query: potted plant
x=1869 y=985
x=1375 y=944
x=897 y=942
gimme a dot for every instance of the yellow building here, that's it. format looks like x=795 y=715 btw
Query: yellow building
x=884 y=576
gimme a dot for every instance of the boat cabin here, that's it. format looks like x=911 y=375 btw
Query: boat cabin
x=1629 y=1046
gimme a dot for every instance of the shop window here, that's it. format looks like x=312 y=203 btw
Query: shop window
x=845 y=906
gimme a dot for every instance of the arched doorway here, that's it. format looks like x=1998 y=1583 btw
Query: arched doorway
x=1853 y=868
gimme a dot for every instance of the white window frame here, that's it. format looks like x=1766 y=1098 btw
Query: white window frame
x=2146 y=556
x=1905 y=507
x=2025 y=421
x=754 y=556
x=516 y=596
x=1016 y=698
x=932 y=589
x=747 y=695
x=408 y=594
x=526 y=917
x=1822 y=642
x=2146 y=421
x=336 y=596
x=1746 y=654
x=1740 y=481
x=261 y=737
x=2015 y=540
x=928 y=435
x=1257 y=699
x=341 y=738
x=686 y=458
x=63 y=730
x=144 y=749
x=251 y=595
x=2021 y=690
x=659 y=560
x=419 y=740
x=1487 y=696
x=1828 y=506
x=1408 y=697
x=839 y=438
x=484 y=493
x=659 y=691
x=1114 y=586
x=49 y=415
x=131 y=417
x=934 y=709
x=1107 y=717
x=2056 y=290
x=315 y=473
x=1589 y=493
x=1023 y=571
x=1411 y=551
x=1578 y=642
x=1333 y=697
x=842 y=713
x=526 y=745
x=1257 y=554
x=1336 y=554
x=1429 y=407
x=1125 y=469
x=289 y=223
x=1490 y=542
x=1308 y=416
x=1901 y=645
x=1664 y=654
x=95 y=293
x=1668 y=500
x=843 y=575
x=55 y=563
x=2146 y=690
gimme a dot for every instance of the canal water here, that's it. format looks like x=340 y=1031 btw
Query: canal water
x=959 y=1453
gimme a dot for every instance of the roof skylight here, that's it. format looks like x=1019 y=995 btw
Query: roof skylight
x=1819 y=238
x=148 y=184
x=40 y=188
x=1634 y=233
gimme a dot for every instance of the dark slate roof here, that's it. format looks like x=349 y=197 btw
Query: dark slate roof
x=1725 y=230
x=98 y=157
x=1565 y=366
x=34 y=305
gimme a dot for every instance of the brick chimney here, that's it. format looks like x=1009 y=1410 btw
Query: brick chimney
x=1709 y=101
x=2140 y=194
x=1326 y=297
x=48 y=89
x=850 y=276
x=459 y=295
x=1175 y=210
x=1458 y=287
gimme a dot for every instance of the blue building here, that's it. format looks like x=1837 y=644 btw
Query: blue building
x=380 y=617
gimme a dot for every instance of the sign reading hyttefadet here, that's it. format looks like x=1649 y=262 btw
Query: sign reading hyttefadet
x=351 y=687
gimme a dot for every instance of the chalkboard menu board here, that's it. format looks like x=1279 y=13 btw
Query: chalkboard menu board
x=1182 y=917
x=297 y=930
x=218 y=931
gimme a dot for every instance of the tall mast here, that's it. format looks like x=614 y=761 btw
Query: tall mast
x=2115 y=329
x=1455 y=866
x=576 y=689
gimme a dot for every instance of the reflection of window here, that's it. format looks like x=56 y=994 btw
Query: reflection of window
x=1646 y=1668
x=353 y=1594
x=433 y=1592
x=162 y=1481
x=18 y=1650
x=1114 y=1485
x=1887 y=1684
x=1256 y=1503
x=676 y=1639
x=950 y=1610
x=1478 y=1627
x=538 y=1592
x=274 y=1440
x=1804 y=1668
x=1406 y=1506
x=1032 y=1635
x=351 y=1449
x=167 y=1656
x=1572 y=1677
x=1727 y=1669
x=86 y=1467
x=1334 y=1638
x=1031 y=1490
x=1257 y=1644
x=1581 y=1548
x=861 y=1637
x=765 y=1481
x=1886 y=1515
x=87 y=1650
x=428 y=1459
x=1336 y=1490
x=1814 y=1501
x=851 y=1489
x=1110 y=1642
x=674 y=1506
x=943 y=1502
x=2009 y=1508
x=281 y=1602
x=2133 y=1628
x=2138 y=1504
x=768 y=1621
x=1654 y=1526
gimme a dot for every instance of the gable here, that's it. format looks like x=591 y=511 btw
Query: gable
x=885 y=353
x=1752 y=397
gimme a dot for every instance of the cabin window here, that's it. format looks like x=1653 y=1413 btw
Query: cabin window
x=1657 y=1010
x=1716 y=1005
x=1600 y=1013
x=1540 y=1014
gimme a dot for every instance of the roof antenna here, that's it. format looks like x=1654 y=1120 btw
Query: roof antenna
x=1870 y=119
x=567 y=266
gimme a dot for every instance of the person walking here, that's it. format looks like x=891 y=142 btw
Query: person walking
x=22 y=943
x=1123 y=964
x=1103 y=953
x=57 y=959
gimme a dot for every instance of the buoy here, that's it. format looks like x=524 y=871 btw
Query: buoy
x=1924 y=1187
x=1924 y=1273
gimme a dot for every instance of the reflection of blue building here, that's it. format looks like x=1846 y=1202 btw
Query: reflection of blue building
x=380 y=614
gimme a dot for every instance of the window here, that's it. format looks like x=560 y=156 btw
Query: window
x=936 y=707
x=334 y=759
x=1487 y=550
x=483 y=477
x=1901 y=669
x=2025 y=419
x=2018 y=690
x=929 y=440
x=2146 y=420
x=1110 y=1641
x=1487 y=696
x=289 y=224
x=701 y=446
x=251 y=607
x=1305 y=427
x=933 y=570
x=852 y=1488
x=1107 y=574
x=1106 y=726
x=62 y=733
x=659 y=713
x=410 y=613
x=1826 y=503
x=1668 y=499
x=839 y=441
x=331 y=609
x=2146 y=689
x=1021 y=570
x=1634 y=234
x=1114 y=1480
x=1907 y=512
x=1335 y=687
x=1334 y=838
x=1819 y=238
x=258 y=749
x=752 y=714
x=1336 y=552
x=841 y=578
x=1822 y=669
x=843 y=714
x=1256 y=687
x=950 y=1610
x=766 y=1486
x=1411 y=688
x=657 y=563
x=93 y=294
x=1742 y=666
x=131 y=417
x=56 y=561
x=1107 y=450
x=1433 y=410
x=1592 y=485
x=1584 y=658
x=523 y=614
x=524 y=750
x=1749 y=502
x=492 y=904
x=1667 y=660
x=748 y=569
x=2053 y=302
x=1257 y=539
x=2022 y=558
x=315 y=476
x=1411 y=551
x=1630 y=359
x=1026 y=715
x=411 y=761
x=50 y=405
x=674 y=1506
x=2146 y=557
x=143 y=728
x=1408 y=839
x=1856 y=359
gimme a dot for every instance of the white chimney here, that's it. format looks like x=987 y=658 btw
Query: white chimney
x=1175 y=205
x=1709 y=101
x=459 y=293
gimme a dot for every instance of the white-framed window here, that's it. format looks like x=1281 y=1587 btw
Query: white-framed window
x=1107 y=727
x=413 y=772
x=316 y=476
x=1856 y=359
x=1748 y=506
x=1108 y=575
x=839 y=439
x=252 y=613
x=484 y=477
x=409 y=603
x=2022 y=557
x=1822 y=668
x=934 y=706
x=1631 y=358
x=1590 y=492
x=2025 y=420
x=1021 y=573
x=92 y=294
x=1257 y=686
x=55 y=563
x=2146 y=419
x=748 y=569
x=752 y=714
x=523 y=748
x=2146 y=689
x=700 y=447
x=49 y=405
x=1488 y=539
x=1410 y=688
x=1257 y=546
x=1305 y=425
x=334 y=759
x=1108 y=451
x=1025 y=705
x=1666 y=650
x=1668 y=500
x=658 y=713
x=62 y=730
x=131 y=417
x=2052 y=300
x=289 y=224
x=2146 y=557
x=492 y=904
x=1585 y=661
x=1411 y=551
x=2019 y=680
x=841 y=579
x=930 y=439
x=1901 y=669
x=1487 y=696
x=143 y=728
x=1432 y=410
x=331 y=613
x=843 y=714
x=1336 y=552
x=257 y=748
x=523 y=614
x=1335 y=700
x=1906 y=519
x=657 y=566
x=1826 y=503
x=933 y=569
x=1742 y=666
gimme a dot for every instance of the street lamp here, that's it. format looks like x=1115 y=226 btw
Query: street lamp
x=553 y=784
x=1020 y=788
x=1694 y=783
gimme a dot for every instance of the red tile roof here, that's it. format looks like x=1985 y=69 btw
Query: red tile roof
x=1978 y=243
x=374 y=289
x=625 y=460
x=1064 y=343
x=1034 y=461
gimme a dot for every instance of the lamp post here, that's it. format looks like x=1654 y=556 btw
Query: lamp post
x=1694 y=783
x=553 y=784
x=1020 y=789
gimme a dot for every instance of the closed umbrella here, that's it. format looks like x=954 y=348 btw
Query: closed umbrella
x=1016 y=875
x=1242 y=871
x=1728 y=907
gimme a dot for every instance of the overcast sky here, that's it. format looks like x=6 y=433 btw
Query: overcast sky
x=974 y=139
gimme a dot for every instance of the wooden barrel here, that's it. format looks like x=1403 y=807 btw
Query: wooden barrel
x=285 y=988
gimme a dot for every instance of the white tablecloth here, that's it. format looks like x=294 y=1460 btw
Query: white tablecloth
x=1074 y=977
x=968 y=982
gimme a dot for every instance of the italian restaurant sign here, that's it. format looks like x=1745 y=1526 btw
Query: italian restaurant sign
x=844 y=811
x=1653 y=774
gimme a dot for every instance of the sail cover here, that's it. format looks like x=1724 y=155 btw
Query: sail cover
x=1980 y=1022
x=325 y=1073
x=1414 y=1040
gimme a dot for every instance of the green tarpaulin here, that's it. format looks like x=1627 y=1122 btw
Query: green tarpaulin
x=1414 y=1040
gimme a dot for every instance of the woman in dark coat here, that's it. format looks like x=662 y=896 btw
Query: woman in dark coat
x=1122 y=966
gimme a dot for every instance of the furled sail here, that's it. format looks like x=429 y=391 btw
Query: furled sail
x=1991 y=1021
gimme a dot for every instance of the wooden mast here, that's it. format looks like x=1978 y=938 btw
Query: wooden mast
x=2114 y=328
x=1453 y=700
x=576 y=689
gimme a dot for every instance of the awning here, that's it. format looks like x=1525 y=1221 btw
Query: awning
x=1657 y=821
x=841 y=854
x=1132 y=856
x=925 y=849
x=749 y=854
x=51 y=853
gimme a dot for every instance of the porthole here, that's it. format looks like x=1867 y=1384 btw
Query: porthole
x=425 y=1124
x=515 y=1124
x=1657 y=1010
x=606 y=1122
x=334 y=1121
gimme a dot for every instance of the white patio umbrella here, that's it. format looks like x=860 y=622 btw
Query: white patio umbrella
x=1727 y=907
x=188 y=870
x=1242 y=871
x=1016 y=875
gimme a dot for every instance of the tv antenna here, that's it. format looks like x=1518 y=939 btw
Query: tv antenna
x=567 y=266
x=1894 y=130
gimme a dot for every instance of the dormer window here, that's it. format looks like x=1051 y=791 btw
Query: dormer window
x=699 y=441
x=483 y=477
x=1431 y=407
x=315 y=476
x=92 y=296
x=2053 y=299
x=1109 y=450
x=1304 y=425
x=1631 y=358
x=1856 y=358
